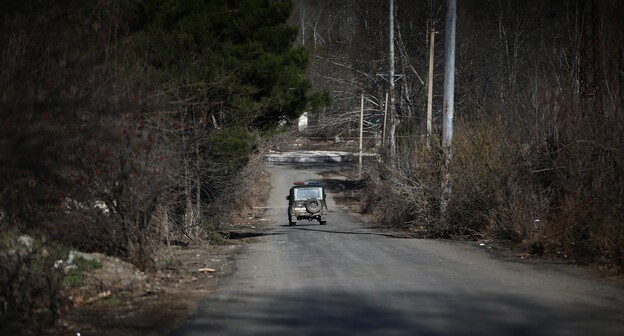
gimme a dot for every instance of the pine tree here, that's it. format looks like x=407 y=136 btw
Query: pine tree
x=235 y=57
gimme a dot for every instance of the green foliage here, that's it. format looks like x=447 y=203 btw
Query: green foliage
x=320 y=99
x=87 y=265
x=76 y=277
x=109 y=301
x=231 y=146
x=237 y=54
x=212 y=234
x=171 y=262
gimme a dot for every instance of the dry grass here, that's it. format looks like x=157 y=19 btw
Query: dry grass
x=552 y=198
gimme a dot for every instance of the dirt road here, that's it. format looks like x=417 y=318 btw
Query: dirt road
x=345 y=279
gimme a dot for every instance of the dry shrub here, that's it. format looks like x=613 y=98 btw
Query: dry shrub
x=588 y=158
x=76 y=134
x=405 y=195
x=560 y=192
x=243 y=191
x=494 y=195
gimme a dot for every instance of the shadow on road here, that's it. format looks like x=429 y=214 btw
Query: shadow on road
x=246 y=234
x=329 y=230
x=318 y=312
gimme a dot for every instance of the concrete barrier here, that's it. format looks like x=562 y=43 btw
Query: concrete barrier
x=315 y=156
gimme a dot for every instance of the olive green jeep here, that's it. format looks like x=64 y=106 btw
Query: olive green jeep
x=307 y=200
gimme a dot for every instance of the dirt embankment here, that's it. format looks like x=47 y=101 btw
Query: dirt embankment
x=118 y=300
x=155 y=305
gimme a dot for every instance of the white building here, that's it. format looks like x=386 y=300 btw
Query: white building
x=303 y=121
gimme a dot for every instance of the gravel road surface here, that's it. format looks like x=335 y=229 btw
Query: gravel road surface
x=345 y=279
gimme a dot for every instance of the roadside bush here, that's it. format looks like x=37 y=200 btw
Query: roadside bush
x=493 y=194
x=241 y=191
x=558 y=193
x=406 y=195
x=588 y=163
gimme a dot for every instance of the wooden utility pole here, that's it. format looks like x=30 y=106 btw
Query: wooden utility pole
x=385 y=121
x=361 y=136
x=449 y=96
x=391 y=93
x=430 y=84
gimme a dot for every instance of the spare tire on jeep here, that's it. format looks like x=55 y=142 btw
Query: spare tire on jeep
x=313 y=205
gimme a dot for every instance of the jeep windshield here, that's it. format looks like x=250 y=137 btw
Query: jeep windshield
x=302 y=194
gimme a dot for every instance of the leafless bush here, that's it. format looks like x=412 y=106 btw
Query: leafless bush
x=122 y=182
x=588 y=164
x=79 y=160
x=237 y=194
x=494 y=194
x=405 y=195
x=245 y=190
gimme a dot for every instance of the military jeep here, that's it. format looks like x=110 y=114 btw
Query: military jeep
x=307 y=200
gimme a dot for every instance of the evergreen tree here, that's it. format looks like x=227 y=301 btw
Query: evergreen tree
x=236 y=58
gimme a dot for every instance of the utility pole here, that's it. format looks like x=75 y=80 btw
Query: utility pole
x=449 y=96
x=393 y=118
x=430 y=84
x=361 y=135
x=385 y=121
